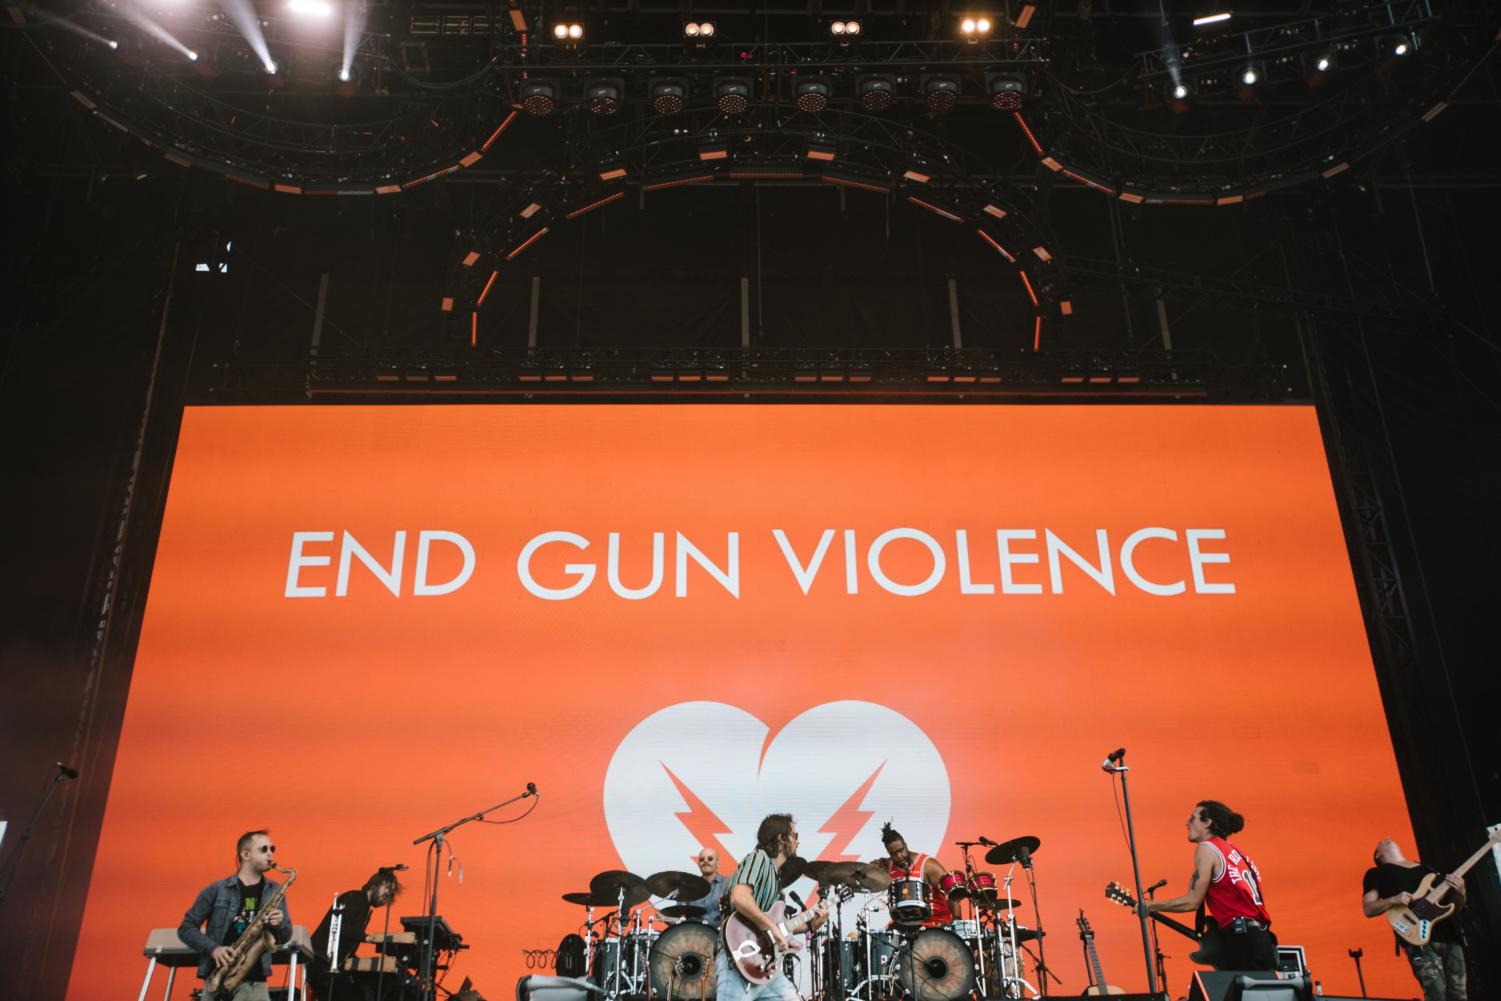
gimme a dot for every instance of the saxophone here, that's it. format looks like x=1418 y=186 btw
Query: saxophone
x=254 y=941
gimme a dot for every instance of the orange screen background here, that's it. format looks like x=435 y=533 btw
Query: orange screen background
x=351 y=725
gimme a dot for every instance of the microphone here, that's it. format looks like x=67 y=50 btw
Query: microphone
x=987 y=842
x=71 y=773
x=1155 y=886
x=1113 y=760
x=1024 y=856
x=531 y=788
x=797 y=900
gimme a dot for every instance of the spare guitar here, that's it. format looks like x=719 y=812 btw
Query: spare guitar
x=1415 y=922
x=1097 y=983
x=753 y=951
x=1209 y=950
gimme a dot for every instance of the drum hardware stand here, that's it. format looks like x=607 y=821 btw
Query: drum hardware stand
x=1011 y=972
x=969 y=879
x=1115 y=764
x=335 y=929
x=1355 y=954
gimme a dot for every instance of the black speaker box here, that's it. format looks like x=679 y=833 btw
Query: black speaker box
x=1220 y=985
x=1110 y=997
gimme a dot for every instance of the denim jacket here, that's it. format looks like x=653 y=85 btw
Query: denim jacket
x=217 y=904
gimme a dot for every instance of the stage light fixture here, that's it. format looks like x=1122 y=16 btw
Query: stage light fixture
x=1208 y=20
x=698 y=29
x=877 y=93
x=343 y=76
x=844 y=30
x=192 y=56
x=812 y=95
x=824 y=152
x=568 y=31
x=1007 y=90
x=732 y=96
x=668 y=97
x=603 y=96
x=974 y=28
x=1024 y=15
x=538 y=97
x=940 y=93
x=1251 y=74
x=1180 y=94
x=311 y=8
x=1396 y=46
x=1324 y=63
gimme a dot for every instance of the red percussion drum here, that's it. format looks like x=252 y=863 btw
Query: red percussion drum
x=983 y=887
x=954 y=886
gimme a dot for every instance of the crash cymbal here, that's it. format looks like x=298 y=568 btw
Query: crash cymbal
x=608 y=885
x=870 y=877
x=677 y=885
x=1011 y=851
x=681 y=911
x=825 y=871
x=582 y=899
x=794 y=869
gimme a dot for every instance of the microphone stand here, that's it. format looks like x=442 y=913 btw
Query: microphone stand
x=429 y=985
x=1119 y=768
x=8 y=867
x=1355 y=954
x=1157 y=952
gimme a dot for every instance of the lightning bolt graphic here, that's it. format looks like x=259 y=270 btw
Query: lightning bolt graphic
x=849 y=819
x=702 y=823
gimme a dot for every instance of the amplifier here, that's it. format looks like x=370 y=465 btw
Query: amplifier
x=1226 y=985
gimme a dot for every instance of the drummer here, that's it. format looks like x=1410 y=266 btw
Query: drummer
x=708 y=867
x=903 y=864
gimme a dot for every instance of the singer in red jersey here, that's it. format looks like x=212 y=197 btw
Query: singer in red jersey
x=1228 y=885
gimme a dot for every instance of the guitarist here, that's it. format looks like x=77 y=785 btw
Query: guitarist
x=1227 y=884
x=1391 y=883
x=757 y=886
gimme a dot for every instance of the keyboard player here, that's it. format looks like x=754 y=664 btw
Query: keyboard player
x=358 y=905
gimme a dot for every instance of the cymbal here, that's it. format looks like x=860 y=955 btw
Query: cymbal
x=582 y=899
x=1002 y=903
x=795 y=868
x=678 y=885
x=681 y=911
x=608 y=885
x=1011 y=851
x=1024 y=934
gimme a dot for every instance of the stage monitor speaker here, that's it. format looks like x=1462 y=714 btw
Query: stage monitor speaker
x=535 y=988
x=1247 y=985
x=1161 y=996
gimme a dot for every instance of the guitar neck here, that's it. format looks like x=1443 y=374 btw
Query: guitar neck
x=1177 y=926
x=1094 y=960
x=1439 y=892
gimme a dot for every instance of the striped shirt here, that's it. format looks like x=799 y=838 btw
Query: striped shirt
x=758 y=872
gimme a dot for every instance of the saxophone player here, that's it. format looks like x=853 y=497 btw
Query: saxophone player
x=224 y=908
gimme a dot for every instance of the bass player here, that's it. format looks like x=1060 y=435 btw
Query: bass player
x=1391 y=883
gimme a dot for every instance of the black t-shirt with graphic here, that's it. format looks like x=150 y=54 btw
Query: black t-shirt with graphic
x=1389 y=880
x=250 y=905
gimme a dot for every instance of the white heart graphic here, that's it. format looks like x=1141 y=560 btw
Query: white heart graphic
x=695 y=771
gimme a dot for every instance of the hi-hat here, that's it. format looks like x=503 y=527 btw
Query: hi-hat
x=1012 y=851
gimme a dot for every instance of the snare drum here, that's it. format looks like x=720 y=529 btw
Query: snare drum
x=908 y=900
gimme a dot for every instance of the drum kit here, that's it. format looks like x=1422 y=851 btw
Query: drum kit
x=910 y=957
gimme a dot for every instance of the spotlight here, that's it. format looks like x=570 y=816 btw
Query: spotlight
x=568 y=31
x=1318 y=65
x=311 y=8
x=844 y=30
x=1324 y=63
x=732 y=96
x=1179 y=94
x=940 y=93
x=1206 y=20
x=603 y=96
x=113 y=44
x=1007 y=91
x=343 y=76
x=270 y=67
x=538 y=97
x=812 y=95
x=1251 y=75
x=876 y=92
x=192 y=56
x=972 y=28
x=575 y=32
x=1396 y=46
x=560 y=31
x=668 y=96
x=698 y=29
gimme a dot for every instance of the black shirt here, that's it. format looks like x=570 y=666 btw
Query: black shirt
x=1389 y=880
x=351 y=931
x=250 y=905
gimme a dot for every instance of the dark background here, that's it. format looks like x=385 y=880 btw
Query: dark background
x=109 y=330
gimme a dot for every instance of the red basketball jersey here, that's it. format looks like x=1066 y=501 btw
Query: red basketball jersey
x=1236 y=891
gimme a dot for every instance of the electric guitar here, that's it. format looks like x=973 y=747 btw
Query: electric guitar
x=1097 y=983
x=1208 y=952
x=753 y=951
x=1414 y=923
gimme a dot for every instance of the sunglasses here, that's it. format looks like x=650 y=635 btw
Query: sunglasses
x=267 y=849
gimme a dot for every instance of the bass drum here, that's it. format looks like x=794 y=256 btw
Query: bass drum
x=935 y=966
x=682 y=962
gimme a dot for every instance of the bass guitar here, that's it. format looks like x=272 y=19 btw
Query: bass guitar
x=753 y=951
x=1414 y=923
x=1097 y=983
x=1209 y=950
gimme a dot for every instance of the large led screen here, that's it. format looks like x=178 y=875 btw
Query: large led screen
x=367 y=622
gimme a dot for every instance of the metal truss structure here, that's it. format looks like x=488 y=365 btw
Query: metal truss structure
x=943 y=374
x=430 y=83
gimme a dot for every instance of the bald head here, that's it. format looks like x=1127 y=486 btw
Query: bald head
x=1388 y=852
x=708 y=862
